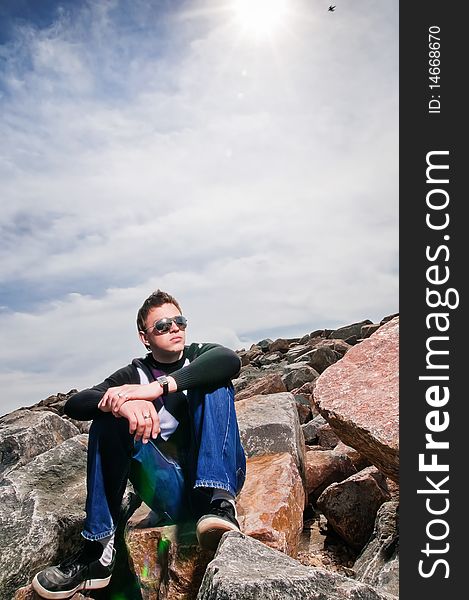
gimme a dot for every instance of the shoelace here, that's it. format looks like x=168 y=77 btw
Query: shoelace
x=76 y=559
x=68 y=562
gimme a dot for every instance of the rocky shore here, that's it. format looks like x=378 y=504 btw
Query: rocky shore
x=319 y=422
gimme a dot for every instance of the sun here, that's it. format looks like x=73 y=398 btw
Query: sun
x=260 y=17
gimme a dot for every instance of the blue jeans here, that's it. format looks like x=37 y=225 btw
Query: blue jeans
x=205 y=452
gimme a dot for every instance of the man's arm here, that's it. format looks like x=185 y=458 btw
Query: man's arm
x=83 y=405
x=211 y=364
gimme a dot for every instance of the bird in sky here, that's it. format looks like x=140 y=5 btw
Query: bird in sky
x=332 y=8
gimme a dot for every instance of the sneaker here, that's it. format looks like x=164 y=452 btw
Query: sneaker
x=82 y=571
x=220 y=519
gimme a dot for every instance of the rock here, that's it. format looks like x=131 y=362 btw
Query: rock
x=318 y=431
x=41 y=512
x=279 y=345
x=358 y=461
x=351 y=505
x=247 y=375
x=295 y=352
x=253 y=353
x=378 y=564
x=368 y=330
x=25 y=434
x=353 y=330
x=306 y=391
x=167 y=561
x=324 y=467
x=297 y=375
x=388 y=318
x=246 y=569
x=327 y=438
x=319 y=333
x=82 y=426
x=303 y=407
x=320 y=358
x=269 y=425
x=340 y=346
x=56 y=402
x=310 y=429
x=27 y=593
x=359 y=397
x=266 y=384
x=264 y=345
x=272 y=501
x=272 y=358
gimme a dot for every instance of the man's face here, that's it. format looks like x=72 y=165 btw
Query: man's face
x=164 y=346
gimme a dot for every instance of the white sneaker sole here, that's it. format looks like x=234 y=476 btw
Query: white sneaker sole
x=90 y=584
x=210 y=530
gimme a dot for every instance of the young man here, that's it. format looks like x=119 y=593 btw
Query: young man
x=168 y=423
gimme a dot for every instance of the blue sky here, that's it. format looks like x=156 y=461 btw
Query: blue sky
x=248 y=167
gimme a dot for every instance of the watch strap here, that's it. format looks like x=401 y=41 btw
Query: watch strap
x=163 y=381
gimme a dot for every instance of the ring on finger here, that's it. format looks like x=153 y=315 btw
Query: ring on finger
x=120 y=394
x=146 y=417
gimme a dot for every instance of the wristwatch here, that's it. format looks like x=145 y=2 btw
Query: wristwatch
x=163 y=381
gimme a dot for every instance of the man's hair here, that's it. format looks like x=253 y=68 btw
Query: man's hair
x=155 y=299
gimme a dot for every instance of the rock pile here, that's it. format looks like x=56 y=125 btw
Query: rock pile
x=318 y=417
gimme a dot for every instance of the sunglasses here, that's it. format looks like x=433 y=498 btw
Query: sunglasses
x=164 y=325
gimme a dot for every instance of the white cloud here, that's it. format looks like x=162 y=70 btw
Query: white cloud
x=258 y=182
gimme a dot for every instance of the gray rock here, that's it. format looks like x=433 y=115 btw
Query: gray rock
x=264 y=345
x=368 y=330
x=320 y=358
x=25 y=434
x=41 y=512
x=294 y=353
x=246 y=376
x=269 y=424
x=378 y=564
x=355 y=329
x=298 y=374
x=246 y=569
x=310 y=429
x=270 y=359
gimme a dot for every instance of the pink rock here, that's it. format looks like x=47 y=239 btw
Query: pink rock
x=359 y=397
x=324 y=467
x=351 y=505
x=268 y=384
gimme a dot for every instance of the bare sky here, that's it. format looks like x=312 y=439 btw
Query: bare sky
x=245 y=161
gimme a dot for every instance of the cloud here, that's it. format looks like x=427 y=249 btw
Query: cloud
x=149 y=147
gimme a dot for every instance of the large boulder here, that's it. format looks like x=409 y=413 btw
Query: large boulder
x=167 y=561
x=41 y=512
x=378 y=563
x=25 y=434
x=350 y=506
x=269 y=424
x=247 y=569
x=272 y=501
x=359 y=397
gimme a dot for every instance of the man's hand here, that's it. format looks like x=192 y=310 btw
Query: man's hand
x=115 y=397
x=143 y=419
